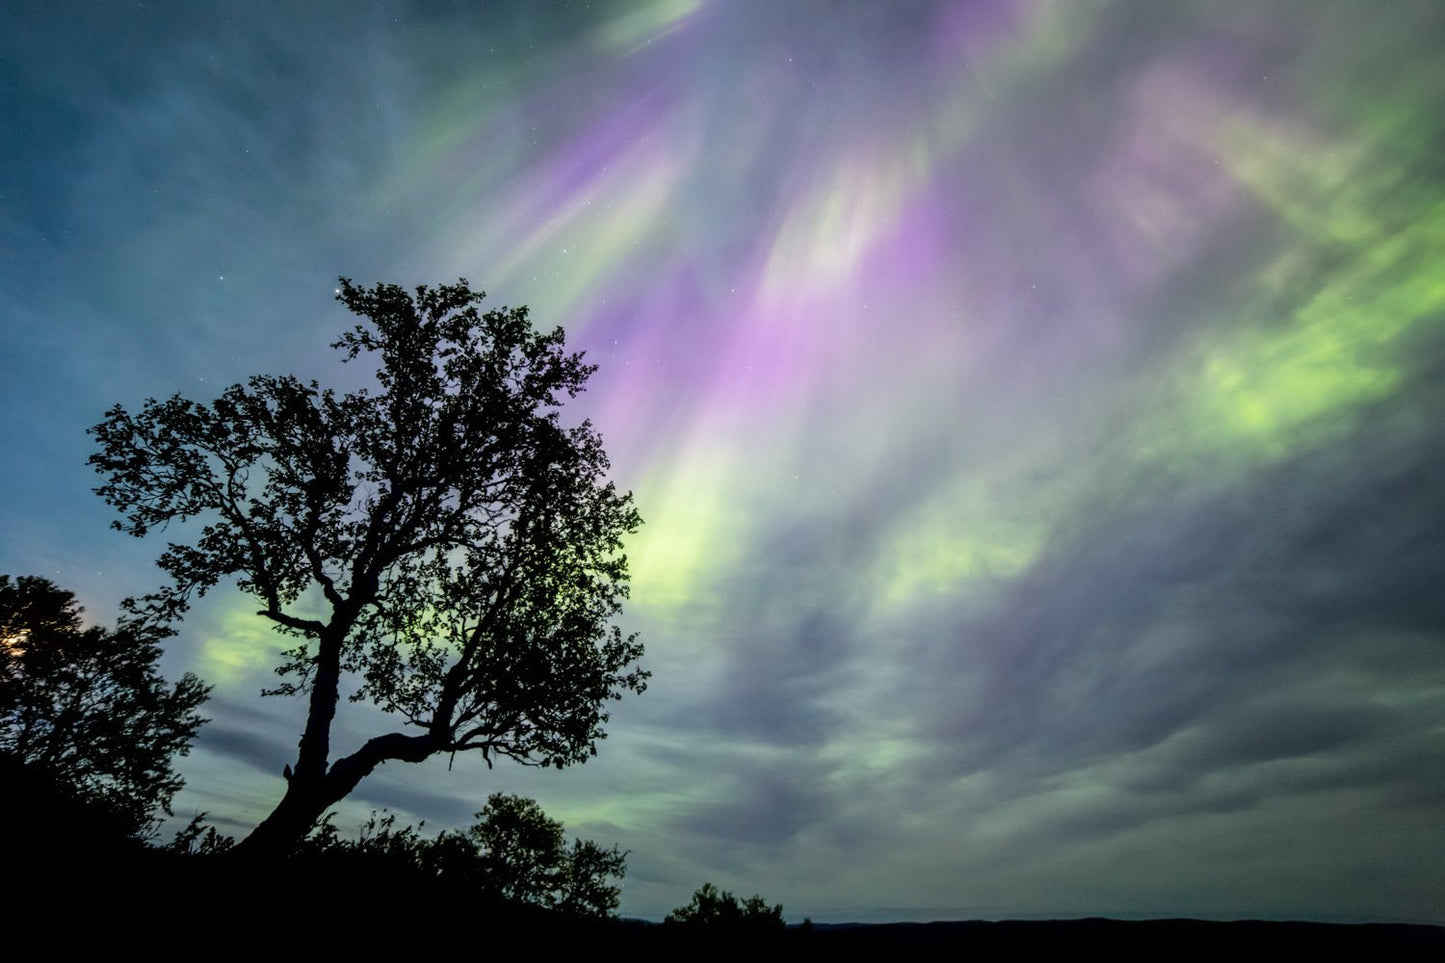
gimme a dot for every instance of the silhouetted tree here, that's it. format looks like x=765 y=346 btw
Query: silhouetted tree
x=86 y=707
x=714 y=909
x=584 y=887
x=522 y=857
x=519 y=848
x=458 y=549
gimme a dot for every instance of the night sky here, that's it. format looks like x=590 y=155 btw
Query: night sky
x=1037 y=409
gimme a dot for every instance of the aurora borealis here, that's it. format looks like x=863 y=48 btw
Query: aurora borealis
x=1035 y=407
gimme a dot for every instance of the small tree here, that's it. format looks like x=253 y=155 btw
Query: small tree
x=520 y=850
x=440 y=539
x=714 y=909
x=522 y=857
x=585 y=887
x=86 y=706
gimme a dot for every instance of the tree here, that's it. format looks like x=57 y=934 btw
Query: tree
x=584 y=888
x=714 y=909
x=440 y=539
x=85 y=706
x=521 y=850
x=521 y=856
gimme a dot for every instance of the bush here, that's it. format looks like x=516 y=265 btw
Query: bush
x=714 y=909
x=514 y=854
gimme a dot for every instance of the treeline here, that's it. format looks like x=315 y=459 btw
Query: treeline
x=88 y=732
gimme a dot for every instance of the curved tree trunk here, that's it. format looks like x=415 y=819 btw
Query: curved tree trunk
x=299 y=809
x=309 y=796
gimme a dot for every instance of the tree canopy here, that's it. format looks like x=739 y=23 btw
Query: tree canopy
x=523 y=857
x=438 y=538
x=87 y=707
x=712 y=909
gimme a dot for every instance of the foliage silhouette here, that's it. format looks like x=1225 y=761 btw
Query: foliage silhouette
x=198 y=839
x=86 y=706
x=512 y=854
x=523 y=858
x=57 y=826
x=441 y=539
x=718 y=910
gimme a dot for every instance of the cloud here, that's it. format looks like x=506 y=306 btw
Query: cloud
x=1033 y=407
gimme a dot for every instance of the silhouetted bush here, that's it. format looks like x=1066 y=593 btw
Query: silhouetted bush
x=718 y=910
x=513 y=855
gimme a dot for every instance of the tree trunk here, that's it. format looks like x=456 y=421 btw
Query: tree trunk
x=308 y=797
x=309 y=790
x=294 y=816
